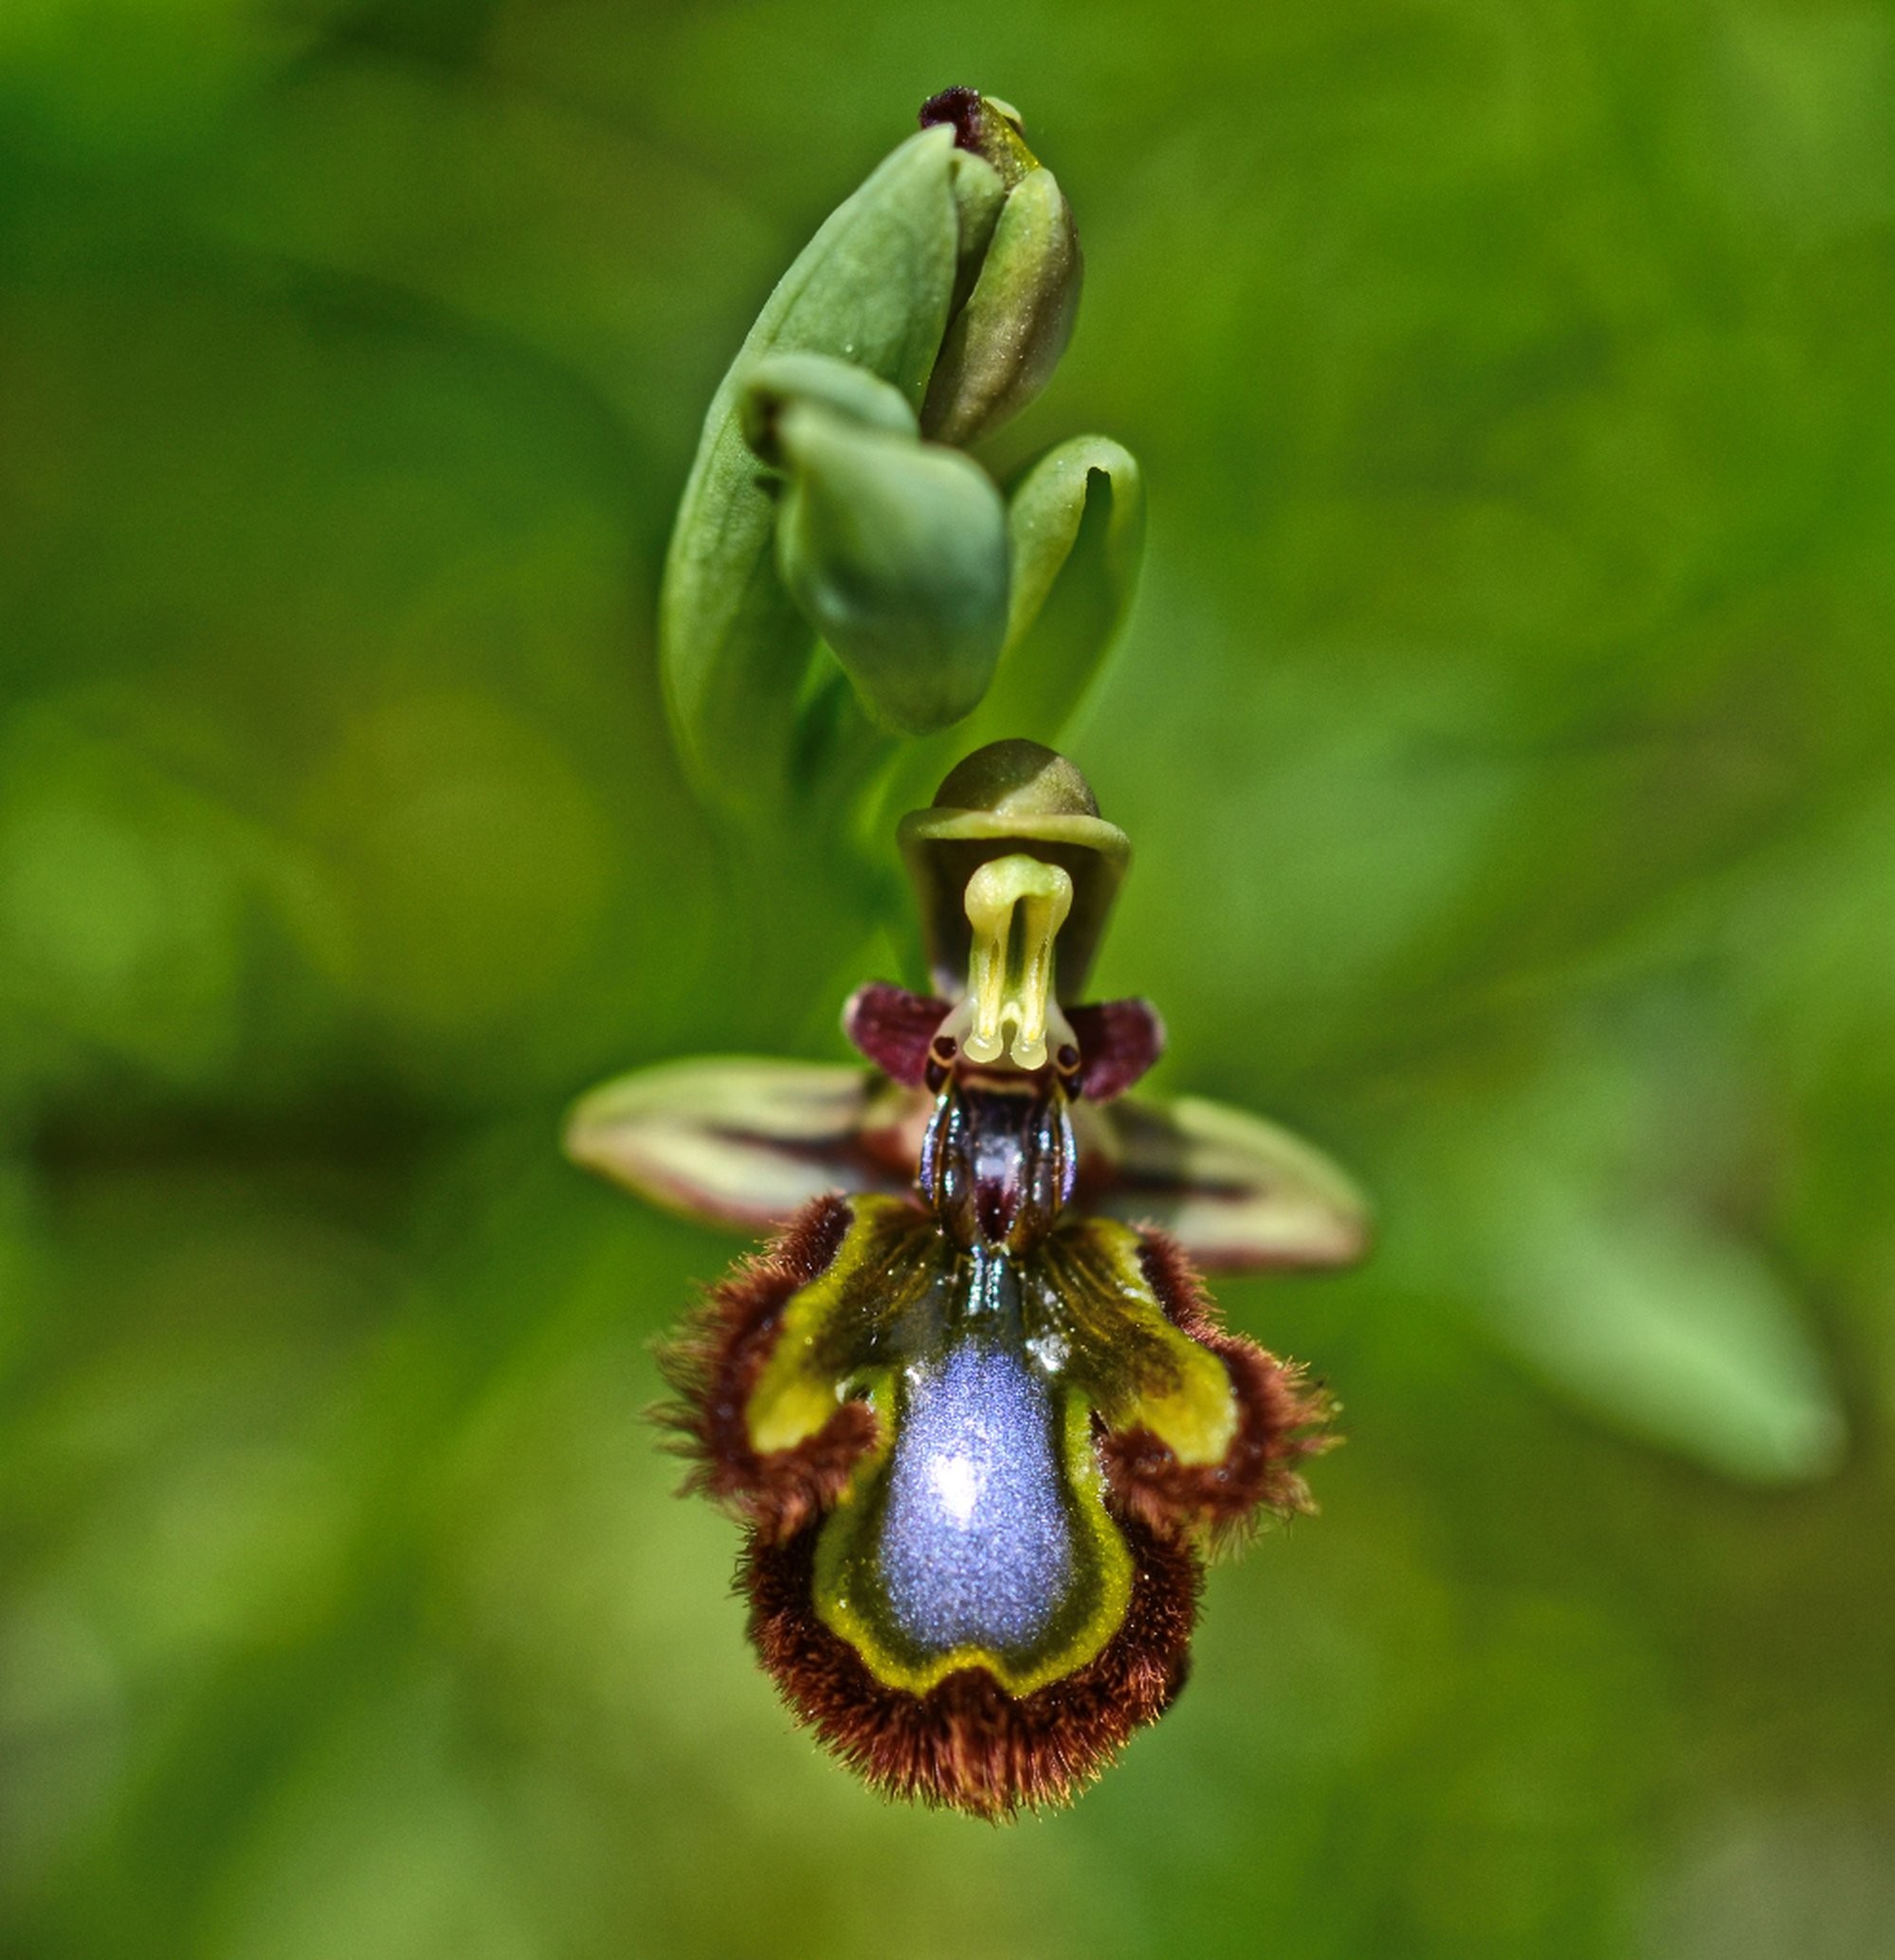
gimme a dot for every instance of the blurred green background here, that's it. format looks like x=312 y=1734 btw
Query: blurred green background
x=1507 y=729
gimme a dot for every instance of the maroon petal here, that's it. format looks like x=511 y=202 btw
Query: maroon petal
x=894 y=1028
x=967 y=1744
x=1117 y=1042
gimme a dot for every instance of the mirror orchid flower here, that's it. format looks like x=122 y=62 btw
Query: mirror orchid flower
x=972 y=1404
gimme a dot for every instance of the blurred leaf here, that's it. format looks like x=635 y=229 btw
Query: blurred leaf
x=1585 y=1214
x=470 y=857
x=1665 y=1329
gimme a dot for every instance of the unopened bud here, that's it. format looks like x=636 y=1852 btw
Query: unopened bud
x=1008 y=335
x=894 y=549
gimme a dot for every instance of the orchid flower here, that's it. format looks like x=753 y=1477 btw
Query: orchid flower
x=972 y=1403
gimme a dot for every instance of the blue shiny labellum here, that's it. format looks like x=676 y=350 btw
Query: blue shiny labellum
x=976 y=1538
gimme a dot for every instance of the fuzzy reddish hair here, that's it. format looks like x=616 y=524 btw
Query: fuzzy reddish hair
x=1280 y=1423
x=713 y=1363
x=967 y=1744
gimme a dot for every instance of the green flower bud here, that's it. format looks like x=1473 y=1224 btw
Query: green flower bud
x=790 y=381
x=935 y=302
x=874 y=287
x=1075 y=529
x=1007 y=338
x=894 y=550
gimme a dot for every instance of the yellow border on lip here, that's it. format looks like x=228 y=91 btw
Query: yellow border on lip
x=795 y=1396
x=1190 y=1405
x=842 y=1615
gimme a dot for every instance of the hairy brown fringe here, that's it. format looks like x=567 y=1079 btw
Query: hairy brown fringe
x=713 y=1363
x=1282 y=1420
x=967 y=1744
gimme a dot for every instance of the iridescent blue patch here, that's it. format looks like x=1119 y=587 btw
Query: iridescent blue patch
x=977 y=1539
